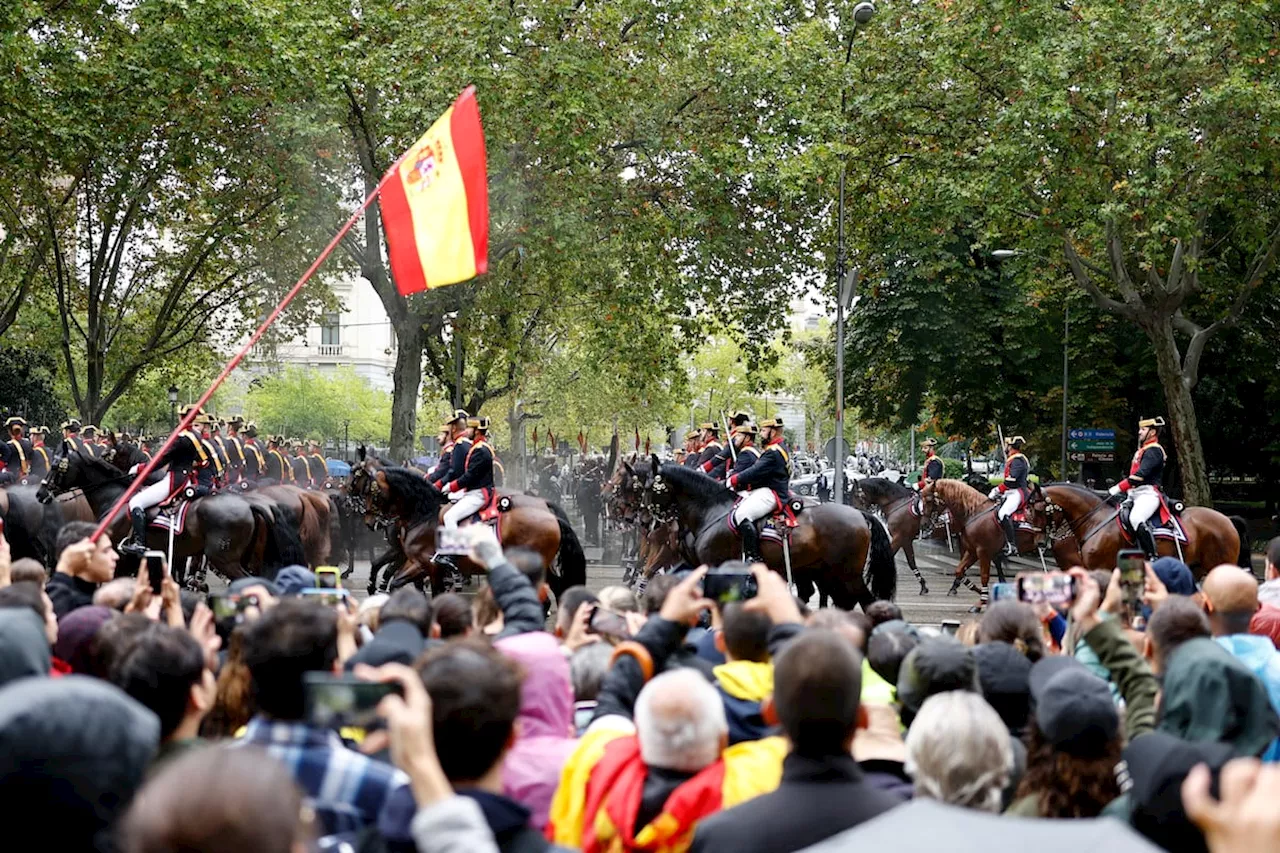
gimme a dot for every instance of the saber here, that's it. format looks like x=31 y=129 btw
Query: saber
x=724 y=421
x=235 y=361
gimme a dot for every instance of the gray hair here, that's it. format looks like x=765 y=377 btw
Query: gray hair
x=619 y=599
x=587 y=669
x=958 y=751
x=680 y=721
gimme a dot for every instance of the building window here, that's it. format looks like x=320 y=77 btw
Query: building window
x=330 y=335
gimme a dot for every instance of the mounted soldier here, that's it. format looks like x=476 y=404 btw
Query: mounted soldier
x=255 y=463
x=234 y=446
x=89 y=441
x=1014 y=490
x=144 y=447
x=15 y=452
x=931 y=472
x=277 y=467
x=71 y=434
x=316 y=464
x=1144 y=484
x=742 y=438
x=764 y=486
x=217 y=473
x=298 y=464
x=40 y=460
x=709 y=434
x=474 y=484
x=691 y=452
x=450 y=430
x=191 y=467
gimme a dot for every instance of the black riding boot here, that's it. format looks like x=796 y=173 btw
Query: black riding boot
x=453 y=574
x=1146 y=540
x=750 y=542
x=1010 y=536
x=138 y=544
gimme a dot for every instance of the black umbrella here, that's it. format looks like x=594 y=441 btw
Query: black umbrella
x=927 y=826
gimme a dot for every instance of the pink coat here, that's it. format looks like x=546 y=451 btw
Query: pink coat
x=531 y=772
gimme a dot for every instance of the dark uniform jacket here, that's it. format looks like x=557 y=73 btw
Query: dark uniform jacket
x=301 y=471
x=1147 y=468
x=234 y=447
x=187 y=453
x=40 y=459
x=771 y=471
x=476 y=467
x=933 y=468
x=724 y=462
x=710 y=451
x=16 y=454
x=1016 y=470
x=318 y=468
x=278 y=467
x=691 y=459
x=440 y=473
x=255 y=462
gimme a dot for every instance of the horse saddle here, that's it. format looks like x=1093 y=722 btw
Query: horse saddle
x=1164 y=523
x=170 y=516
x=493 y=507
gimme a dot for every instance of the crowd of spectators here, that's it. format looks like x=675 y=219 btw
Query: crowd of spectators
x=134 y=720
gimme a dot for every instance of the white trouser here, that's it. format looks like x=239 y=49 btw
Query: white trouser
x=1012 y=500
x=151 y=495
x=1145 y=503
x=756 y=505
x=470 y=502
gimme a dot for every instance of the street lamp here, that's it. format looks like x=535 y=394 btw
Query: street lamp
x=846 y=280
x=173 y=407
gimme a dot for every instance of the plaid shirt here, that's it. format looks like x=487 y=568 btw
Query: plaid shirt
x=345 y=789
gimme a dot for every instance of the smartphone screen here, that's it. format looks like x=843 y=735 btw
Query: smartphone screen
x=950 y=627
x=727 y=587
x=451 y=542
x=328 y=577
x=324 y=595
x=1003 y=591
x=1055 y=588
x=156 y=569
x=1133 y=576
x=224 y=605
x=607 y=623
x=339 y=701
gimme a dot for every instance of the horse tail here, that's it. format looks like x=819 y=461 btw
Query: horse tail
x=1245 y=558
x=309 y=531
x=882 y=574
x=573 y=560
x=282 y=546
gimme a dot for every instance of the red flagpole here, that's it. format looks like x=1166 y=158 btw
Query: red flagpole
x=235 y=361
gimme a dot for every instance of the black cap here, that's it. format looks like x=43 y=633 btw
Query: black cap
x=1005 y=675
x=937 y=665
x=1073 y=707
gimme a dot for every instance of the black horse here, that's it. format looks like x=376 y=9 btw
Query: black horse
x=832 y=545
x=897 y=505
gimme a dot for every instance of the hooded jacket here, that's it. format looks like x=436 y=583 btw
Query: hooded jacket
x=24 y=650
x=532 y=767
x=1260 y=655
x=1209 y=695
x=743 y=686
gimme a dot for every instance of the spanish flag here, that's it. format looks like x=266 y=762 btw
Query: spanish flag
x=435 y=203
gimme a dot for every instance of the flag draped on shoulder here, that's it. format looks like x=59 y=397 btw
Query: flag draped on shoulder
x=435 y=203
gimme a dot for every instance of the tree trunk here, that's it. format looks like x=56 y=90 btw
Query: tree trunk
x=408 y=382
x=1181 y=412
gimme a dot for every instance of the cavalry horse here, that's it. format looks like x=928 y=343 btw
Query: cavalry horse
x=235 y=537
x=31 y=526
x=832 y=545
x=1089 y=522
x=897 y=505
x=981 y=538
x=405 y=495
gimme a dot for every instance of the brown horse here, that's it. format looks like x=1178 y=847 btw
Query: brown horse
x=832 y=546
x=981 y=538
x=404 y=494
x=897 y=505
x=1088 y=521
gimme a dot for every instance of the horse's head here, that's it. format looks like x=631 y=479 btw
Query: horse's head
x=624 y=493
x=64 y=473
x=658 y=493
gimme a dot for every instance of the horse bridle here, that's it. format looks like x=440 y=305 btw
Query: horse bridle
x=1072 y=527
x=663 y=514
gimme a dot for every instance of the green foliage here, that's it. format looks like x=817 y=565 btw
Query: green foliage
x=303 y=403
x=26 y=387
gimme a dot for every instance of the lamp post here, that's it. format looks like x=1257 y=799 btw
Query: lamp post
x=846 y=280
x=173 y=407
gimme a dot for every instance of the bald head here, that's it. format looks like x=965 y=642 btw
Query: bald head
x=1231 y=597
x=680 y=721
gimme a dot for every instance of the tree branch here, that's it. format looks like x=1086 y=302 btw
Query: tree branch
x=1081 y=275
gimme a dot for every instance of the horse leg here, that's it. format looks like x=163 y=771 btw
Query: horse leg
x=999 y=561
x=984 y=563
x=967 y=559
x=805 y=589
x=909 y=551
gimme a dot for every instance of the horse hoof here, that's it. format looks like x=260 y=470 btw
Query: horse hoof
x=924 y=589
x=977 y=608
x=953 y=591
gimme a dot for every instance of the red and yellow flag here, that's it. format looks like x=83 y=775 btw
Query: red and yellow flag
x=435 y=203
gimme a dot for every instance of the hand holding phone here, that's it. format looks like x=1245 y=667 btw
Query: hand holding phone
x=328 y=577
x=1132 y=564
x=606 y=623
x=157 y=570
x=1054 y=588
x=338 y=701
x=452 y=542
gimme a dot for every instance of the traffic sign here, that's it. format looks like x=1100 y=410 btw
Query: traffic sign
x=1096 y=446
x=1093 y=434
x=1092 y=456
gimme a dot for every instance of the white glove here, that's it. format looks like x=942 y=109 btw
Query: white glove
x=994 y=494
x=1114 y=490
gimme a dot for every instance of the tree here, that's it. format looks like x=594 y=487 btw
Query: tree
x=1134 y=143
x=304 y=403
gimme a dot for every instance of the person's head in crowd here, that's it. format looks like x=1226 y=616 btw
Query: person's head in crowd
x=407 y=605
x=265 y=589
x=587 y=668
x=292 y=580
x=486 y=616
x=1177 y=620
x=887 y=648
x=880 y=612
x=475 y=699
x=289 y=640
x=1015 y=623
x=967 y=634
x=1157 y=764
x=744 y=634
x=77 y=639
x=1272 y=567
x=619 y=599
x=74 y=750
x=1230 y=599
x=33 y=597
x=530 y=564
x=656 y=592
x=1210 y=695
x=570 y=600
x=115 y=594
x=937 y=665
x=1074 y=741
x=101 y=565
x=450 y=617
x=164 y=669
x=69 y=534
x=853 y=624
x=370 y=610
x=219 y=801
x=680 y=721
x=27 y=570
x=114 y=639
x=24 y=646
x=958 y=752
x=234 y=704
x=1175 y=575
x=817 y=693
x=1005 y=676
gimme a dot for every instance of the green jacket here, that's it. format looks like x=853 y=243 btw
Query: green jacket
x=1129 y=673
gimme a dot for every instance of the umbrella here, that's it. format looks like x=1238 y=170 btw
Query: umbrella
x=338 y=468
x=925 y=826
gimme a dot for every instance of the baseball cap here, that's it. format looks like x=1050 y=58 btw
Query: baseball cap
x=1073 y=707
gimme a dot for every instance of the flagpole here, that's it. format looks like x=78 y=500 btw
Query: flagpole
x=235 y=361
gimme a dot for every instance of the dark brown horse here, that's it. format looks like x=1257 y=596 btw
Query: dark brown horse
x=897 y=505
x=1088 y=521
x=31 y=527
x=405 y=495
x=981 y=538
x=832 y=546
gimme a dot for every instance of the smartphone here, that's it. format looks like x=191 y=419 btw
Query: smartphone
x=606 y=623
x=224 y=605
x=1003 y=591
x=1054 y=588
x=451 y=542
x=729 y=582
x=325 y=596
x=1133 y=577
x=157 y=569
x=328 y=577
x=950 y=627
x=340 y=701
